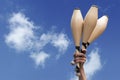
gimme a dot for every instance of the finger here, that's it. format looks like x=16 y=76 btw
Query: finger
x=76 y=54
x=79 y=55
x=82 y=55
x=83 y=51
x=79 y=60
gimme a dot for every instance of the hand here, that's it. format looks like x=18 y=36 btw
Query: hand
x=80 y=57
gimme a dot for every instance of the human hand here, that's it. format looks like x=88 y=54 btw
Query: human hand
x=79 y=60
x=80 y=57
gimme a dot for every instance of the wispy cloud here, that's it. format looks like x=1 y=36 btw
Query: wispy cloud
x=39 y=58
x=21 y=33
x=92 y=66
x=61 y=42
x=58 y=40
x=22 y=37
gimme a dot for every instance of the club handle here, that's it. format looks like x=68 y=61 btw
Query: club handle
x=84 y=47
x=77 y=51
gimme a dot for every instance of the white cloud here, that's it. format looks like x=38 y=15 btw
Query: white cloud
x=20 y=20
x=21 y=33
x=44 y=40
x=22 y=37
x=39 y=58
x=93 y=64
x=60 y=41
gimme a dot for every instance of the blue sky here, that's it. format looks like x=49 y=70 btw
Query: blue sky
x=36 y=41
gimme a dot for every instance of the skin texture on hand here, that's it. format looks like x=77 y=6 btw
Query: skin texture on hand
x=80 y=58
x=82 y=73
